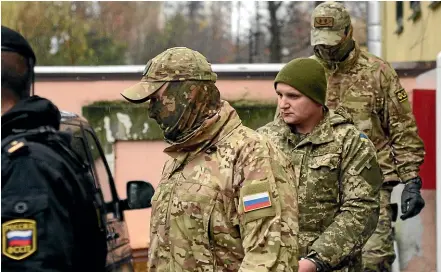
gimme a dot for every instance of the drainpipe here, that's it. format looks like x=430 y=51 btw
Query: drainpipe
x=374 y=27
x=438 y=163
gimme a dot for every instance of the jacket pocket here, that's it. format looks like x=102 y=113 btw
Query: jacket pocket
x=361 y=107
x=191 y=235
x=324 y=162
x=322 y=183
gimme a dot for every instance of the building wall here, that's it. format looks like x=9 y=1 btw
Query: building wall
x=419 y=41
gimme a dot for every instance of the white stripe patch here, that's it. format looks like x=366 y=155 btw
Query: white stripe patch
x=255 y=196
x=19 y=233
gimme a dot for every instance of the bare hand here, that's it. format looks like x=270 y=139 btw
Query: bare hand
x=307 y=266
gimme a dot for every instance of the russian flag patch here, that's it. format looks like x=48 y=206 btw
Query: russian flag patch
x=256 y=201
x=19 y=238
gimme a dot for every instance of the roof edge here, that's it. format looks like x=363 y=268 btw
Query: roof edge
x=249 y=71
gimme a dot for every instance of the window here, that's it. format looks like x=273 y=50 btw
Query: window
x=100 y=168
x=415 y=7
x=97 y=161
x=77 y=144
x=399 y=17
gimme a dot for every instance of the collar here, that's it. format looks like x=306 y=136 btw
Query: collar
x=321 y=134
x=211 y=132
x=345 y=65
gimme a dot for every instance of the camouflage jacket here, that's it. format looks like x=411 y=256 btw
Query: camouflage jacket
x=230 y=206
x=338 y=181
x=370 y=90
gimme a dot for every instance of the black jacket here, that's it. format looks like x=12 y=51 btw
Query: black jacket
x=50 y=220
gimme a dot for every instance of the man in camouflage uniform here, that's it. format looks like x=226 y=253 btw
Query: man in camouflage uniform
x=225 y=201
x=336 y=169
x=370 y=90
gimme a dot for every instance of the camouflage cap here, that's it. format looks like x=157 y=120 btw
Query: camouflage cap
x=174 y=64
x=328 y=23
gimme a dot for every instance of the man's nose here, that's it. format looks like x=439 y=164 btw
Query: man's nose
x=283 y=103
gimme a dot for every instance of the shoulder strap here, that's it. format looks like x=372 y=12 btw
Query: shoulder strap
x=25 y=134
x=17 y=144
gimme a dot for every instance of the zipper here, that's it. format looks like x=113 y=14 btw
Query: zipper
x=167 y=215
x=210 y=239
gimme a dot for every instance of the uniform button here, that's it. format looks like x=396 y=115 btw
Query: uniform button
x=20 y=207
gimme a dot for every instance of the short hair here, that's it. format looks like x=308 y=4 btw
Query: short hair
x=16 y=75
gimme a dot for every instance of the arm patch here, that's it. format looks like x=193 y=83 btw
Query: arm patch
x=256 y=201
x=19 y=238
x=401 y=95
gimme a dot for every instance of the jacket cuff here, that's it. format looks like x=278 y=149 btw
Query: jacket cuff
x=321 y=265
x=408 y=176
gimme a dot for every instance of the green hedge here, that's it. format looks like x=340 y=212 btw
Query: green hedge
x=120 y=120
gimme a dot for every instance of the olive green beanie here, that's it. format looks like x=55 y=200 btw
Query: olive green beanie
x=305 y=75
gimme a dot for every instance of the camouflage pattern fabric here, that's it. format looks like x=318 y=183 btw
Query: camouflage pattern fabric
x=370 y=90
x=190 y=102
x=378 y=253
x=225 y=201
x=202 y=219
x=328 y=23
x=337 y=52
x=174 y=64
x=338 y=179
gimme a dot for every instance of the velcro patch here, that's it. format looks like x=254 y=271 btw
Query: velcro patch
x=256 y=201
x=19 y=238
x=363 y=137
x=323 y=22
x=363 y=163
x=401 y=95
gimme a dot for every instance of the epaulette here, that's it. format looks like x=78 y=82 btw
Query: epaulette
x=341 y=116
x=17 y=147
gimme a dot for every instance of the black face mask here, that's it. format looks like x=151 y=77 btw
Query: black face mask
x=183 y=107
x=336 y=53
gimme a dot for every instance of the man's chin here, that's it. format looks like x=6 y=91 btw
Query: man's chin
x=290 y=120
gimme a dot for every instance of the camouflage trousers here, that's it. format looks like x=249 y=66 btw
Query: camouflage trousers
x=378 y=252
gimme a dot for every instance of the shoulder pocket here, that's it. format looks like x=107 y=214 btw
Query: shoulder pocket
x=256 y=202
x=357 y=167
x=23 y=207
x=23 y=224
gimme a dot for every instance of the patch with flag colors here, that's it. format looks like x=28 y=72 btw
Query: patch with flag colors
x=256 y=201
x=364 y=137
x=19 y=238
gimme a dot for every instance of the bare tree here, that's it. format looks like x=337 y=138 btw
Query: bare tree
x=275 y=46
x=296 y=32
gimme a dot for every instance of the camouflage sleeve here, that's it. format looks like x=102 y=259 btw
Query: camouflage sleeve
x=407 y=146
x=360 y=182
x=266 y=203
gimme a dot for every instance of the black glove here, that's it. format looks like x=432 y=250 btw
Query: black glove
x=411 y=201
